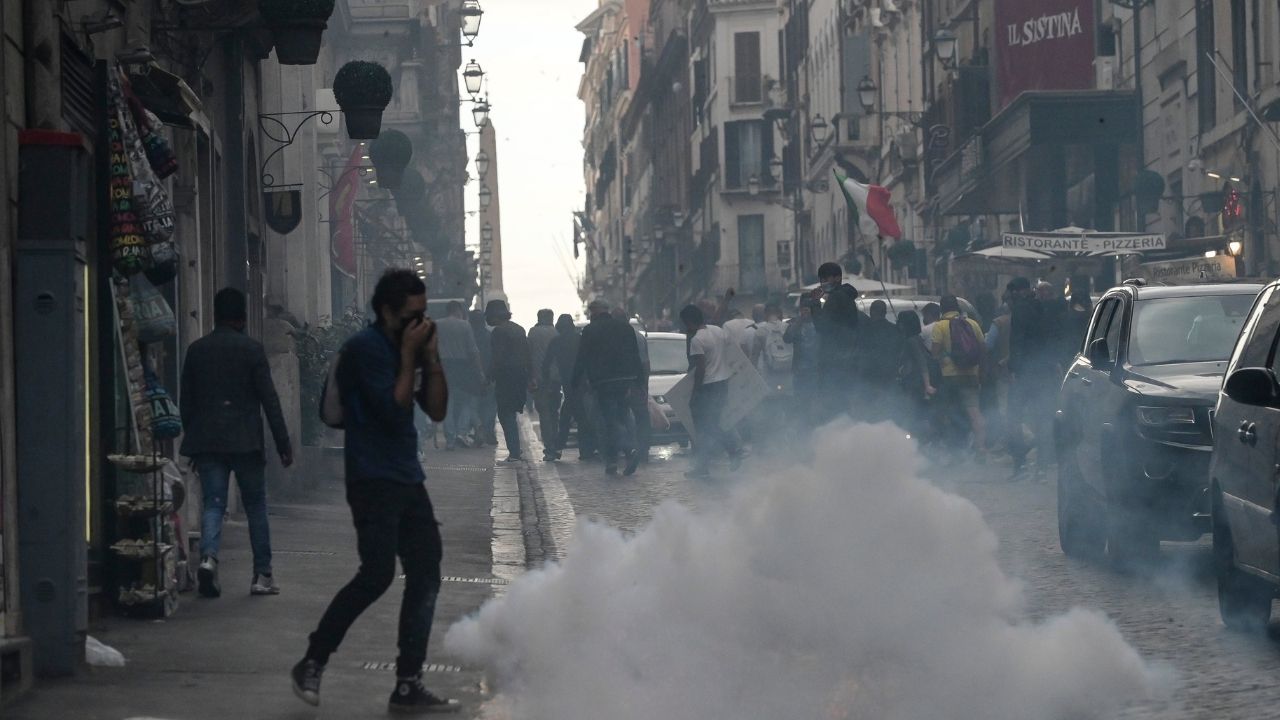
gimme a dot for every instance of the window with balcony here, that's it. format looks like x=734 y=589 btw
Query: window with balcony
x=748 y=148
x=748 y=80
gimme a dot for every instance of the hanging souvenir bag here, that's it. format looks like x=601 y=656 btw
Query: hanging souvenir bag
x=151 y=312
x=155 y=207
x=159 y=154
x=166 y=420
x=129 y=251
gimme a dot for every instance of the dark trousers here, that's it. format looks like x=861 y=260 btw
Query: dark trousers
x=547 y=403
x=639 y=405
x=618 y=432
x=707 y=406
x=574 y=410
x=391 y=519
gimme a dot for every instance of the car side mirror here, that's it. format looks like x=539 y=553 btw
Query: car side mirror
x=1253 y=386
x=1100 y=354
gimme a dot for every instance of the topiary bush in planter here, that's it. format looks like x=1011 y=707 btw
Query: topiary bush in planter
x=297 y=27
x=363 y=90
x=390 y=154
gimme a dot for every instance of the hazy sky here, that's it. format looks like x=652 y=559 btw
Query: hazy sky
x=529 y=52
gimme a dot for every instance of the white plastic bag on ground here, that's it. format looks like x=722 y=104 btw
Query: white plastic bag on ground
x=99 y=655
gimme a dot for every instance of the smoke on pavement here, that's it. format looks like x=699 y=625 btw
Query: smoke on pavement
x=847 y=587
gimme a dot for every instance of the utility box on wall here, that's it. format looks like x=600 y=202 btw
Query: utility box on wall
x=52 y=365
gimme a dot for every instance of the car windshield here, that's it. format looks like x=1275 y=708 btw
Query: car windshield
x=1186 y=329
x=668 y=356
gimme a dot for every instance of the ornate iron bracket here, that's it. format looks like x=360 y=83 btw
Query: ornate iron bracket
x=278 y=130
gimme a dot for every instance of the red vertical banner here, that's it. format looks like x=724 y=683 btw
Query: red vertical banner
x=1044 y=45
x=342 y=205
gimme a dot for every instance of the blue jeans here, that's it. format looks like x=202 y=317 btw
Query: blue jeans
x=460 y=417
x=215 y=481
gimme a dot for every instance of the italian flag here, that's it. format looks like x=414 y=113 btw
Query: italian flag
x=869 y=205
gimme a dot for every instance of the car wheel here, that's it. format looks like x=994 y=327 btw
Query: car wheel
x=1244 y=602
x=1080 y=531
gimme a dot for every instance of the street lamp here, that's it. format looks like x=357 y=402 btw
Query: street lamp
x=482 y=164
x=776 y=169
x=473 y=77
x=867 y=91
x=486 y=197
x=486 y=236
x=471 y=16
x=480 y=113
x=818 y=130
x=944 y=44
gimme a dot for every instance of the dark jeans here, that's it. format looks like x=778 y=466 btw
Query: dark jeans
x=574 y=409
x=511 y=429
x=1032 y=403
x=215 y=482
x=391 y=519
x=707 y=406
x=547 y=403
x=639 y=404
x=618 y=433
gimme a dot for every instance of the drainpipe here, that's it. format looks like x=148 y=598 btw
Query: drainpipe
x=8 y=443
x=236 y=236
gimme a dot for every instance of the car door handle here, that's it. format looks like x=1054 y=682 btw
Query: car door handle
x=1086 y=381
x=1248 y=433
x=1073 y=373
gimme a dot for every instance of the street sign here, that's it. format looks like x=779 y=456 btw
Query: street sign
x=1221 y=267
x=747 y=389
x=1084 y=242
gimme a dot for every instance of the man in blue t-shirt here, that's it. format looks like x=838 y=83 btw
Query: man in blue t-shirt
x=385 y=486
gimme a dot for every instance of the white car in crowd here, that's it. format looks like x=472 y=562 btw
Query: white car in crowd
x=668 y=364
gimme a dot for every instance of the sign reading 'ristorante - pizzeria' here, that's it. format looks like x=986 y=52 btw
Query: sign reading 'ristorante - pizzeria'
x=1093 y=244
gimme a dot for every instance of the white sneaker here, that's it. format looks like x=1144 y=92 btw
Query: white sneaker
x=264 y=585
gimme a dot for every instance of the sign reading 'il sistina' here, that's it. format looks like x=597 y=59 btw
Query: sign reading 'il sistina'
x=1043 y=45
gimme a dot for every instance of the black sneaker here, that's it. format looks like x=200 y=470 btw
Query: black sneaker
x=412 y=698
x=306 y=681
x=207 y=576
x=633 y=462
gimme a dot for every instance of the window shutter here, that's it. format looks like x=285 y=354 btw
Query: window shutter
x=746 y=67
x=732 y=156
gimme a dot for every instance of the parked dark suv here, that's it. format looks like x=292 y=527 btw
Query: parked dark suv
x=1133 y=424
x=1246 y=467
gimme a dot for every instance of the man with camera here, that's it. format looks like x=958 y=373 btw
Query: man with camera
x=393 y=515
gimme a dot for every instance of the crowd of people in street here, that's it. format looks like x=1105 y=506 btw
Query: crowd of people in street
x=966 y=380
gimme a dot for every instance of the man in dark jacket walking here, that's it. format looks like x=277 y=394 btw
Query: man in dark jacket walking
x=609 y=357
x=511 y=370
x=226 y=387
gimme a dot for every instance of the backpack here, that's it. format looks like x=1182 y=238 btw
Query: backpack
x=777 y=352
x=966 y=349
x=331 y=413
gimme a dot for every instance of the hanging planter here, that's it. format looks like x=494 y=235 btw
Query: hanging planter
x=297 y=27
x=390 y=154
x=363 y=90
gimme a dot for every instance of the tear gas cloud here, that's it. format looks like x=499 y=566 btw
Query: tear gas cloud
x=846 y=588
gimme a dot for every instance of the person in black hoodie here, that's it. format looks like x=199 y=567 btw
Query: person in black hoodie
x=610 y=359
x=835 y=316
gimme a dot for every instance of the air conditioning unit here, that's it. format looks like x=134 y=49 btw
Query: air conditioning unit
x=1105 y=72
x=891 y=7
x=877 y=21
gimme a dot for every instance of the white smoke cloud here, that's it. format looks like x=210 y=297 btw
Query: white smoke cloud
x=847 y=588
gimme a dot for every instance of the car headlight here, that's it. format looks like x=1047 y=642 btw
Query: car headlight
x=1159 y=416
x=660 y=399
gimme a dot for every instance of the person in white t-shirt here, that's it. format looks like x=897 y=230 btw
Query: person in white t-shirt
x=708 y=351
